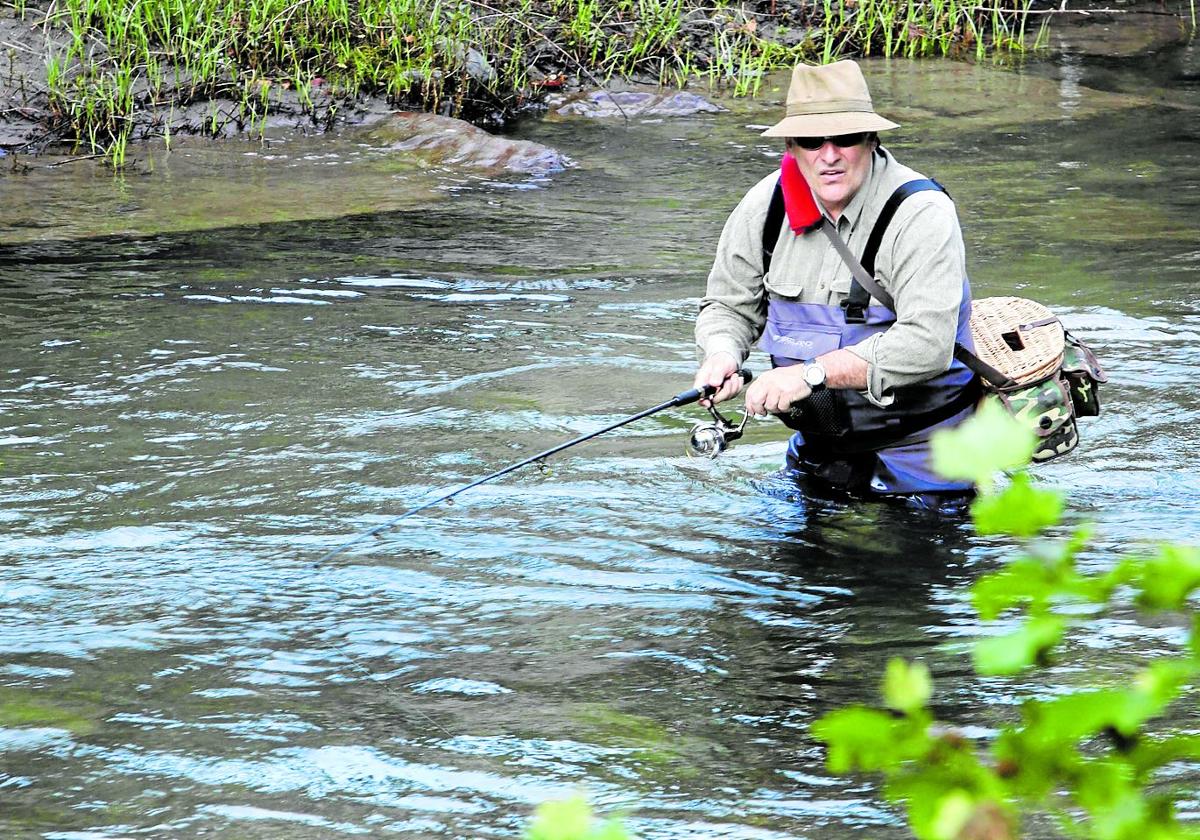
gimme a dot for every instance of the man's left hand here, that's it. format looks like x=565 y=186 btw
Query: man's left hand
x=777 y=390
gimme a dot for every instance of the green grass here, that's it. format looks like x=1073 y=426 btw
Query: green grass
x=125 y=58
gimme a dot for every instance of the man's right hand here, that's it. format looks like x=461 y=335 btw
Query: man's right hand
x=720 y=371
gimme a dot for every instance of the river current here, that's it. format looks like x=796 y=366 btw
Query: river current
x=231 y=360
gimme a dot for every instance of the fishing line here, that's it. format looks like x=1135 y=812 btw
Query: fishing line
x=706 y=439
x=685 y=398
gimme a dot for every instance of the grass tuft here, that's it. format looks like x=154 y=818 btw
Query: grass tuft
x=482 y=60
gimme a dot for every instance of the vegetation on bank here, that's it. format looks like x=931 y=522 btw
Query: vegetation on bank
x=122 y=64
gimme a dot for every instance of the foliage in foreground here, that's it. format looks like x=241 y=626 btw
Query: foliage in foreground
x=1098 y=757
x=572 y=819
x=476 y=59
x=1101 y=758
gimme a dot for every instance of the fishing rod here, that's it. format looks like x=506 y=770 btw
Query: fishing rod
x=707 y=439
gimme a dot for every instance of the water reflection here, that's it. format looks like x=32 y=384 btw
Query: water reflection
x=188 y=418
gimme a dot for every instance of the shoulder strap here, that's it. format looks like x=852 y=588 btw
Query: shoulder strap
x=889 y=210
x=859 y=298
x=776 y=211
x=978 y=366
x=771 y=227
x=862 y=278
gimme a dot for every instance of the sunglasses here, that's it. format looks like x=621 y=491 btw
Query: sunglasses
x=842 y=141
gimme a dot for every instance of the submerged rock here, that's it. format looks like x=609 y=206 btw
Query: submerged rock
x=599 y=104
x=450 y=142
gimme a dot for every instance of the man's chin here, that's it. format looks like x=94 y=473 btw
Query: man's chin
x=832 y=198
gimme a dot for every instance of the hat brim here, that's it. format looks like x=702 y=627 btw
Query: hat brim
x=829 y=125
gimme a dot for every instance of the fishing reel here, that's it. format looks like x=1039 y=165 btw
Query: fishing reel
x=708 y=440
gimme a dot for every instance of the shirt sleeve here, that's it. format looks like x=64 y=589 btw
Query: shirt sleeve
x=922 y=263
x=733 y=309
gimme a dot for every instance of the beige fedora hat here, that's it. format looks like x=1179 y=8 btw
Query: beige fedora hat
x=828 y=100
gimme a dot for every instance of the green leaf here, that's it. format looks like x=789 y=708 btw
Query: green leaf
x=1105 y=787
x=1170 y=578
x=950 y=815
x=572 y=819
x=1163 y=681
x=906 y=688
x=1151 y=755
x=569 y=819
x=1009 y=654
x=936 y=788
x=1065 y=721
x=1194 y=638
x=990 y=441
x=611 y=829
x=866 y=739
x=1021 y=510
x=1037 y=582
x=1024 y=581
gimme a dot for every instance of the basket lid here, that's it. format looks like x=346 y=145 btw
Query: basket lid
x=1019 y=337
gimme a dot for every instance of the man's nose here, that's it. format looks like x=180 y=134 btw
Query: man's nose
x=829 y=151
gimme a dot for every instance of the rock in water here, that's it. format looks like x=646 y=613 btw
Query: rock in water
x=602 y=103
x=449 y=142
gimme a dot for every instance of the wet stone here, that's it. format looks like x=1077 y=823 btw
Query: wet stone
x=1139 y=32
x=600 y=104
x=449 y=142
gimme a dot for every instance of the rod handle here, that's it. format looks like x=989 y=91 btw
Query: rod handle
x=697 y=394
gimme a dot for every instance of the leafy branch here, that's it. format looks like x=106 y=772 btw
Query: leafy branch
x=1095 y=756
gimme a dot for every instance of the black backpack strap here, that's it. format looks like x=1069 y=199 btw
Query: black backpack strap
x=982 y=369
x=771 y=226
x=859 y=298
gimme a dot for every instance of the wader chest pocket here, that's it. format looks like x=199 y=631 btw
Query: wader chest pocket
x=789 y=343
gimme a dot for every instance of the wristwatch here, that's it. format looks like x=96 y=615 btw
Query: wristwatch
x=814 y=376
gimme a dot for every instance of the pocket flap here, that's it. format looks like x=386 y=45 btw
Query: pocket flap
x=1043 y=408
x=798 y=343
x=1079 y=358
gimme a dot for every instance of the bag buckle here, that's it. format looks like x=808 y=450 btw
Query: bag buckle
x=855 y=313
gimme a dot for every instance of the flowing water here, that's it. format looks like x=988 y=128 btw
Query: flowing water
x=216 y=369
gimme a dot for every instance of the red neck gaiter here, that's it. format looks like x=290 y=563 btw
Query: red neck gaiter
x=802 y=211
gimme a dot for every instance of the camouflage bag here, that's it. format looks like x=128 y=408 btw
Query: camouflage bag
x=1082 y=372
x=1048 y=410
x=1042 y=375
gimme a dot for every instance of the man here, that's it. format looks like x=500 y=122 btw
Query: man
x=863 y=385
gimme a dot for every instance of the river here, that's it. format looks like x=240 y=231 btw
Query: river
x=230 y=360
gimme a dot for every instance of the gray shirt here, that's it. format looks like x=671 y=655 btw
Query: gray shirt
x=921 y=263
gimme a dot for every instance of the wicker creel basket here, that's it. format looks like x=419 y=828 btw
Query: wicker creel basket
x=1018 y=337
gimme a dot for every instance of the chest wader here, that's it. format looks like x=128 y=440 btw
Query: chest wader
x=842 y=437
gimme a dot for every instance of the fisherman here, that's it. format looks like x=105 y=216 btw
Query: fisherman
x=864 y=367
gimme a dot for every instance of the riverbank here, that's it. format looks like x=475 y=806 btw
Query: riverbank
x=94 y=76
x=98 y=75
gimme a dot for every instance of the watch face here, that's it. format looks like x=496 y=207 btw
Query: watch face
x=814 y=375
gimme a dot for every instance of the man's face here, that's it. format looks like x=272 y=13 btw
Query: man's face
x=835 y=172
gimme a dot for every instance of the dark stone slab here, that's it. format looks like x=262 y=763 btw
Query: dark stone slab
x=601 y=104
x=450 y=142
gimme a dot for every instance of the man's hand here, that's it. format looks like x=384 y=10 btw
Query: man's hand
x=776 y=391
x=720 y=371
